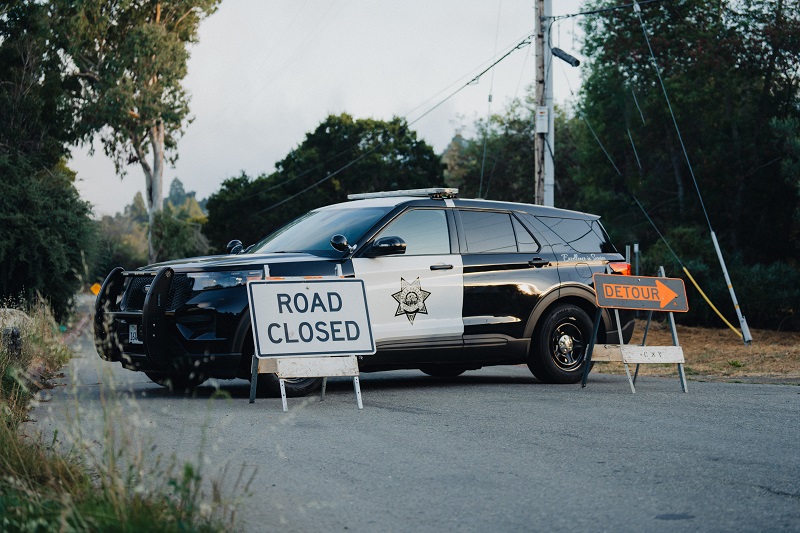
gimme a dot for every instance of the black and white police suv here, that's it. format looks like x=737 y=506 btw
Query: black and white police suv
x=452 y=285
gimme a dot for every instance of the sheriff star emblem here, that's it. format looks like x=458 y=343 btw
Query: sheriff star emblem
x=411 y=299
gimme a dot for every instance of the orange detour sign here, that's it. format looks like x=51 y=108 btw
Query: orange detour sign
x=640 y=293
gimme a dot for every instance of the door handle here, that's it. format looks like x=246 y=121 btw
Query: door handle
x=441 y=266
x=538 y=262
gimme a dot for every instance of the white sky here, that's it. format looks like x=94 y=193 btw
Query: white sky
x=267 y=72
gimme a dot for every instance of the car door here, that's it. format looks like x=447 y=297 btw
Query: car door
x=415 y=299
x=506 y=272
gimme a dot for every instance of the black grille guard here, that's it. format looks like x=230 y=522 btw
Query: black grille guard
x=153 y=313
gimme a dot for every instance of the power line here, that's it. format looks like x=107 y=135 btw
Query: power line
x=524 y=42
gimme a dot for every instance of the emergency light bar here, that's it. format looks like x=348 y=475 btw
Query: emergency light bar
x=433 y=193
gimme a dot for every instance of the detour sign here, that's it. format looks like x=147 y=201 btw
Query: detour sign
x=640 y=293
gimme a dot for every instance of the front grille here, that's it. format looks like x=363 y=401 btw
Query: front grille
x=133 y=299
x=179 y=293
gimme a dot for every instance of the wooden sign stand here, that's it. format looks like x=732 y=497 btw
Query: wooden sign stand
x=309 y=328
x=306 y=367
x=636 y=354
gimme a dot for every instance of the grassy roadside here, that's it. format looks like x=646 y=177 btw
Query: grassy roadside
x=720 y=355
x=46 y=488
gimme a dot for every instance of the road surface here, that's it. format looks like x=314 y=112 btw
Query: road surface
x=493 y=450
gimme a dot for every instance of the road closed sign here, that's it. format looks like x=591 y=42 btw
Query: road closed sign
x=310 y=318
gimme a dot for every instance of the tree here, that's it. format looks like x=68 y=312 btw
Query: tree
x=129 y=57
x=45 y=228
x=177 y=194
x=36 y=111
x=46 y=234
x=342 y=155
x=729 y=68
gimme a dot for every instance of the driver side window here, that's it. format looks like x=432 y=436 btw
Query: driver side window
x=424 y=231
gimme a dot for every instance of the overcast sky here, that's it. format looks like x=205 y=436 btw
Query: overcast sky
x=266 y=73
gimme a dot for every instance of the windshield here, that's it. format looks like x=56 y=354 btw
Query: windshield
x=312 y=232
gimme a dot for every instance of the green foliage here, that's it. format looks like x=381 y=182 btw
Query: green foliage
x=341 y=156
x=128 y=60
x=769 y=293
x=729 y=70
x=45 y=234
x=36 y=110
x=498 y=162
x=122 y=241
x=44 y=488
x=176 y=235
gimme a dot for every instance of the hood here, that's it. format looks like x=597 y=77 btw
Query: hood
x=232 y=262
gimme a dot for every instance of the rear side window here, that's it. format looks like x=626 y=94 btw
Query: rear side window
x=578 y=235
x=488 y=232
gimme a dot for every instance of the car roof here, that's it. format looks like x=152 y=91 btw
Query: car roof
x=394 y=201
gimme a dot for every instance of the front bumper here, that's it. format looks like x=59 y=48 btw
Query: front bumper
x=164 y=331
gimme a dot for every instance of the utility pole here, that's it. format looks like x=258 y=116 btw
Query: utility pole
x=544 y=183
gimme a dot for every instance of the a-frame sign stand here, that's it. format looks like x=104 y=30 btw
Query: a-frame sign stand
x=652 y=294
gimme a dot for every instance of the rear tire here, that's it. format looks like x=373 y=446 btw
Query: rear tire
x=269 y=385
x=558 y=351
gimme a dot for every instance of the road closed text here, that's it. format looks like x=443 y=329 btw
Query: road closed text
x=335 y=330
x=310 y=317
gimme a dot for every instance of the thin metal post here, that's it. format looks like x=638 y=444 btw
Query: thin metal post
x=674 y=332
x=322 y=390
x=253 y=378
x=283 y=395
x=746 y=337
x=587 y=361
x=357 y=388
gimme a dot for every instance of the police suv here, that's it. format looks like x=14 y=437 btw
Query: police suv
x=451 y=284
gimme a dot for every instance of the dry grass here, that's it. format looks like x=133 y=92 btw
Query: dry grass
x=720 y=355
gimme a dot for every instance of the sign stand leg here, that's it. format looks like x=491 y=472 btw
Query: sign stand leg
x=283 y=395
x=357 y=388
x=253 y=379
x=683 y=377
x=587 y=364
x=322 y=390
x=630 y=381
x=636 y=374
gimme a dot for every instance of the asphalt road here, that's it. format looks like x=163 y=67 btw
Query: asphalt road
x=493 y=450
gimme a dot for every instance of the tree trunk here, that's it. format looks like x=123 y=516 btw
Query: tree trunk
x=154 y=179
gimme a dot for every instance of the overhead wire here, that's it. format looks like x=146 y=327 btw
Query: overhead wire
x=489 y=106
x=745 y=333
x=644 y=211
x=521 y=44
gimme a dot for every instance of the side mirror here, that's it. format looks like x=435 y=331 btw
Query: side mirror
x=339 y=243
x=234 y=247
x=387 y=246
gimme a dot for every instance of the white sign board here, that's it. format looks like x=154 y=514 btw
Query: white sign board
x=310 y=318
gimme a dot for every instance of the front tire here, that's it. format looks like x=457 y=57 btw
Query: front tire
x=180 y=382
x=559 y=348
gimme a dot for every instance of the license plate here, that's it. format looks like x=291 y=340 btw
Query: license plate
x=133 y=334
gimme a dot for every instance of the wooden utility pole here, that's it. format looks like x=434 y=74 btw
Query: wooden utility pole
x=543 y=146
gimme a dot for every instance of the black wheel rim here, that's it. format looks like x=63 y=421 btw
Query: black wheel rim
x=567 y=346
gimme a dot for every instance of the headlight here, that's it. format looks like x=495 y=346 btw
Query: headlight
x=219 y=280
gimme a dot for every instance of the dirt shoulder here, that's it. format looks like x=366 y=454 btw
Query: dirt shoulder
x=720 y=355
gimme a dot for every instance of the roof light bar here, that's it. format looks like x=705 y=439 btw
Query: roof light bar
x=433 y=193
